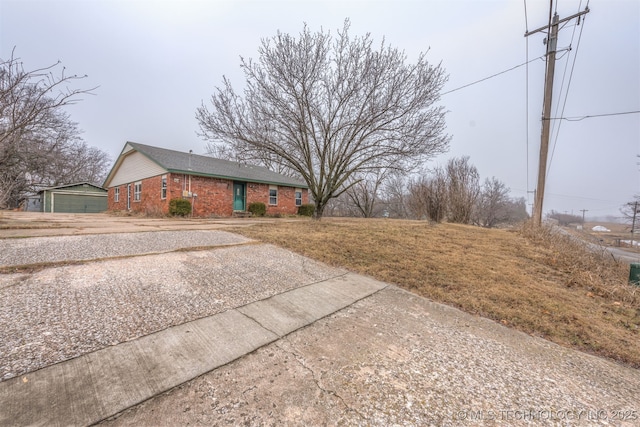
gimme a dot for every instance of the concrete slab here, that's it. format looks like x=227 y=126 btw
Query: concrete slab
x=90 y=388
x=396 y=359
x=37 y=250
x=36 y=224
x=292 y=310
x=93 y=387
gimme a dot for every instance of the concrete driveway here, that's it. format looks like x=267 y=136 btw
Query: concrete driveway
x=141 y=330
x=34 y=224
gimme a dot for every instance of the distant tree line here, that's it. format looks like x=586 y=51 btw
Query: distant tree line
x=452 y=193
x=40 y=146
x=564 y=219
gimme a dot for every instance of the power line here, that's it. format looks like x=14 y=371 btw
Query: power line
x=579 y=118
x=573 y=196
x=526 y=84
x=492 y=76
x=566 y=94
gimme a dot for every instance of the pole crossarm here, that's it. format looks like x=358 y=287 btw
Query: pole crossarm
x=568 y=18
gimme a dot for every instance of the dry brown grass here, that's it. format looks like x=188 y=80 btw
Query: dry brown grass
x=538 y=282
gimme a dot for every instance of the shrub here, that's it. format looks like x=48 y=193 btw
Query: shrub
x=306 y=210
x=181 y=207
x=257 y=208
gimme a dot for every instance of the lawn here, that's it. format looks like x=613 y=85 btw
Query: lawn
x=539 y=282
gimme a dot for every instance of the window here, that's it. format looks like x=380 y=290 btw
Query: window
x=298 y=197
x=116 y=194
x=137 y=190
x=163 y=192
x=273 y=195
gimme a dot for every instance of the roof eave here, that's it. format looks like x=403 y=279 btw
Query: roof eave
x=237 y=178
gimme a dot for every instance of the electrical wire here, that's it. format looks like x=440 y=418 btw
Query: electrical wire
x=491 y=76
x=591 y=116
x=556 y=131
x=526 y=84
x=566 y=94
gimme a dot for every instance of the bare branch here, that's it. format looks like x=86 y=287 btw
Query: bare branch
x=329 y=108
x=39 y=145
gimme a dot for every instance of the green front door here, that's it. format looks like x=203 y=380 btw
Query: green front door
x=238 y=196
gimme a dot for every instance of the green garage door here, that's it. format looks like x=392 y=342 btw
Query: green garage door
x=72 y=203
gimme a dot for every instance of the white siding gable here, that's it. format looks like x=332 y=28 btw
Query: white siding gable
x=134 y=167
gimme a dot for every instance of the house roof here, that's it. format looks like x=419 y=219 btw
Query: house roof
x=77 y=184
x=194 y=164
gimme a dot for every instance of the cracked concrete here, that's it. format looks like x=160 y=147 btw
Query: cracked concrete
x=300 y=359
x=397 y=359
x=97 y=385
x=391 y=358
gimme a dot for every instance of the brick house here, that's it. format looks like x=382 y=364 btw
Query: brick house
x=146 y=178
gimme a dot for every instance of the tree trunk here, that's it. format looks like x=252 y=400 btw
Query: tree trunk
x=319 y=210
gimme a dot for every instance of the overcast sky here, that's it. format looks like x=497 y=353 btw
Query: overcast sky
x=156 y=61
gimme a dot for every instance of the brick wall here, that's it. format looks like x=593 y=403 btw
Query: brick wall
x=150 y=197
x=214 y=196
x=286 y=203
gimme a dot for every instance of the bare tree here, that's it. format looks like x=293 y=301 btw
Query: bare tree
x=427 y=196
x=492 y=205
x=438 y=195
x=417 y=199
x=495 y=207
x=565 y=219
x=630 y=213
x=395 y=196
x=77 y=162
x=39 y=145
x=463 y=189
x=339 y=206
x=517 y=210
x=364 y=194
x=330 y=107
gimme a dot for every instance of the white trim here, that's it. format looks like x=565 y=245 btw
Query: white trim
x=295 y=199
x=81 y=193
x=137 y=191
x=273 y=187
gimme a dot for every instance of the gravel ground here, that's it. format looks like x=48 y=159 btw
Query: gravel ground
x=77 y=248
x=63 y=312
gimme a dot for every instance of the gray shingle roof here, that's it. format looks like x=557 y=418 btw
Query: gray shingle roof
x=194 y=164
x=77 y=184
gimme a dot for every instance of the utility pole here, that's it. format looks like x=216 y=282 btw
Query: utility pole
x=552 y=43
x=633 y=224
x=583 y=211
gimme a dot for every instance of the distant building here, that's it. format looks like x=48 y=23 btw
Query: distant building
x=145 y=178
x=81 y=197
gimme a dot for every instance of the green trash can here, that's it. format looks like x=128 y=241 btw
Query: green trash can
x=634 y=274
